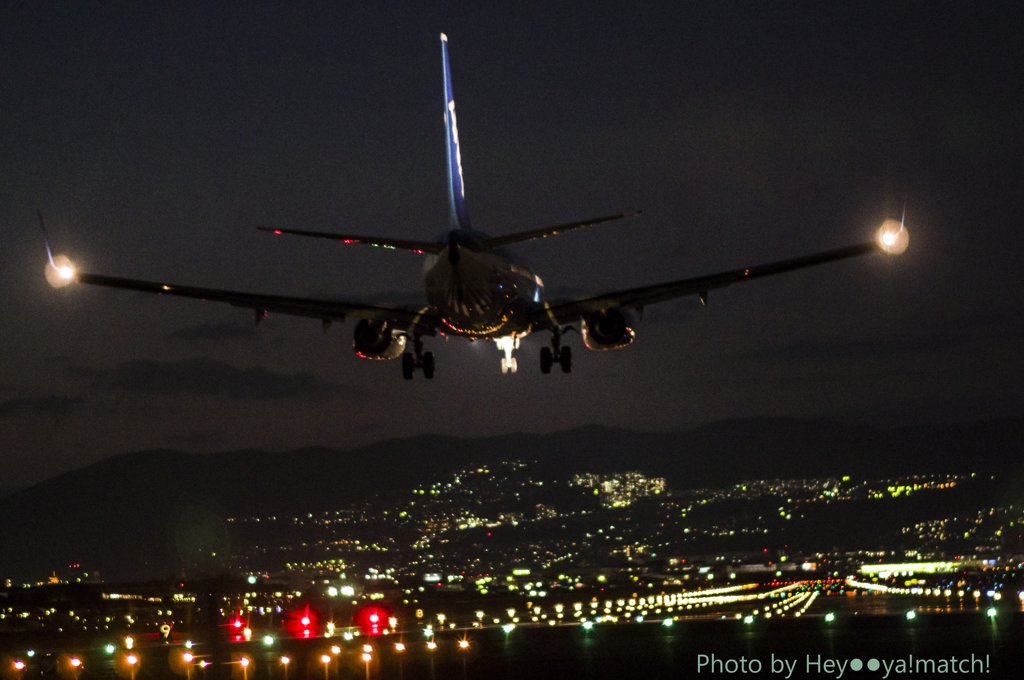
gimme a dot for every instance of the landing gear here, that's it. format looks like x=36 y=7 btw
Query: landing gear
x=549 y=355
x=507 y=344
x=425 y=361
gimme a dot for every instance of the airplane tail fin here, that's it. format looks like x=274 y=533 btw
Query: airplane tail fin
x=456 y=189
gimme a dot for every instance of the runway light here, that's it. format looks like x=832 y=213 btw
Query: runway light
x=305 y=621
x=187 y=657
x=326 y=659
x=910 y=615
x=244 y=661
x=188 y=644
x=830 y=617
x=431 y=645
x=992 y=612
x=748 y=620
x=19 y=665
x=587 y=625
x=366 y=658
x=463 y=644
x=31 y=652
x=76 y=662
x=335 y=649
x=109 y=649
x=128 y=642
x=367 y=648
x=204 y=664
x=268 y=640
x=131 y=659
x=399 y=647
x=508 y=627
x=667 y=623
x=286 y=660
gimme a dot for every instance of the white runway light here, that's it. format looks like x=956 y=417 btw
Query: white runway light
x=893 y=237
x=60 y=272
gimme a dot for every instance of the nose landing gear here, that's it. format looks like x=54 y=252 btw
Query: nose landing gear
x=507 y=345
x=422 y=360
x=556 y=353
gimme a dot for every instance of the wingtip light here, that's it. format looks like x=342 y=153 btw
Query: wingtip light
x=60 y=272
x=893 y=237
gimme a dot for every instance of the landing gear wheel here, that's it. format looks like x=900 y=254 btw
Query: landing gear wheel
x=408 y=365
x=546 y=360
x=565 y=359
x=428 y=365
x=512 y=366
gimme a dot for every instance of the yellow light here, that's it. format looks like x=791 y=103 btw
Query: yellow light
x=131 y=659
x=399 y=647
x=463 y=644
x=366 y=658
x=893 y=237
x=244 y=661
x=367 y=648
x=76 y=662
x=60 y=273
x=431 y=645
x=325 y=658
x=187 y=656
x=285 y=660
x=128 y=642
x=335 y=649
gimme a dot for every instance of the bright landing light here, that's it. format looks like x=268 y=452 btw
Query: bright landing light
x=893 y=237
x=61 y=272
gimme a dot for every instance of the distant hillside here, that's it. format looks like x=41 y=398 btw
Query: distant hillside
x=136 y=515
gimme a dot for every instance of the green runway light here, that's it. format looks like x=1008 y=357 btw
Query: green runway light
x=109 y=649
x=508 y=627
x=667 y=623
x=268 y=640
x=910 y=615
x=830 y=617
x=588 y=625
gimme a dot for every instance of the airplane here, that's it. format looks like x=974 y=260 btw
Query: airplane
x=476 y=289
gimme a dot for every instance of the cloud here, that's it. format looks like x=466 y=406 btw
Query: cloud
x=54 y=406
x=205 y=377
x=215 y=331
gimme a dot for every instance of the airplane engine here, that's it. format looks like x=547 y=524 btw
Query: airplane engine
x=607 y=329
x=377 y=340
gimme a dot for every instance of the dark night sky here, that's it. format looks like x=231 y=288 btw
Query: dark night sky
x=155 y=138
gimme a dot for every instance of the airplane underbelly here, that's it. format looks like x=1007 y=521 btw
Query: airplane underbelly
x=474 y=298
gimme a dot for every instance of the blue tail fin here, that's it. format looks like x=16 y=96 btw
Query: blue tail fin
x=456 y=189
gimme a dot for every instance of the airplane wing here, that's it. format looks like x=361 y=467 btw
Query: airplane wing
x=568 y=312
x=421 y=247
x=325 y=310
x=501 y=241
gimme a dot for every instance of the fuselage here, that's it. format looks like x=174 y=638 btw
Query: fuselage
x=479 y=293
